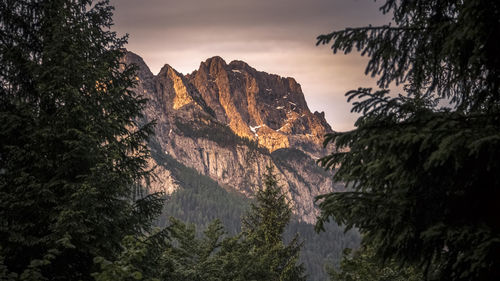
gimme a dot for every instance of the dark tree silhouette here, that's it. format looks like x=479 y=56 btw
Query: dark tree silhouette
x=423 y=177
x=71 y=150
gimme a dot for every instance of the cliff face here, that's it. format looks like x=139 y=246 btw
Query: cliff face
x=228 y=121
x=263 y=107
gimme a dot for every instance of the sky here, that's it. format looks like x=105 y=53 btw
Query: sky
x=275 y=36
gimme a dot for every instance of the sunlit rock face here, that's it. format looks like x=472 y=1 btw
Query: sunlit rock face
x=264 y=107
x=228 y=122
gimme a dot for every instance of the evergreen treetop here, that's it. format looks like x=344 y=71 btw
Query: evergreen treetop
x=271 y=213
x=267 y=257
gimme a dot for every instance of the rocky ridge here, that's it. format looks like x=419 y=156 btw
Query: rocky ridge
x=228 y=121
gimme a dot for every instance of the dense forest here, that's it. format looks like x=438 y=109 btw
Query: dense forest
x=421 y=165
x=202 y=201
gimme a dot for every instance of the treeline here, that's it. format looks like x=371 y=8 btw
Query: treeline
x=178 y=252
x=201 y=201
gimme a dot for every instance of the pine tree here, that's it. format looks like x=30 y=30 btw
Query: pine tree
x=71 y=148
x=262 y=254
x=268 y=217
x=192 y=258
x=424 y=177
x=177 y=253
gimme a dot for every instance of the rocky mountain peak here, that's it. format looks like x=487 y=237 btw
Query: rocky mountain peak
x=237 y=66
x=165 y=69
x=174 y=85
x=262 y=107
x=228 y=121
x=267 y=108
x=213 y=65
x=142 y=69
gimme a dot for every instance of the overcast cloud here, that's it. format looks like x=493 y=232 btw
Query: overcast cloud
x=276 y=36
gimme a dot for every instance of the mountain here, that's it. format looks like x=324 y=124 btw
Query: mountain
x=216 y=130
x=228 y=121
x=266 y=108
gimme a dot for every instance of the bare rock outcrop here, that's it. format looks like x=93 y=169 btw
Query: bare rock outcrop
x=267 y=108
x=228 y=121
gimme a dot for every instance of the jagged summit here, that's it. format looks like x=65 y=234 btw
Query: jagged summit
x=212 y=64
x=228 y=121
x=238 y=65
x=266 y=108
x=215 y=60
x=142 y=68
x=166 y=68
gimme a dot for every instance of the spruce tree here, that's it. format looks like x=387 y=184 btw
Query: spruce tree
x=269 y=215
x=177 y=253
x=423 y=165
x=71 y=148
x=263 y=253
x=192 y=258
